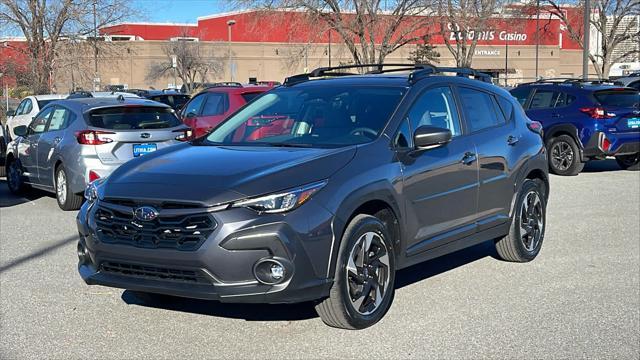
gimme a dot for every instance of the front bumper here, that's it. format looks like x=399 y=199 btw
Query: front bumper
x=222 y=267
x=620 y=144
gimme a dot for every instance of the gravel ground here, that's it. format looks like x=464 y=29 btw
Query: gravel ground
x=579 y=298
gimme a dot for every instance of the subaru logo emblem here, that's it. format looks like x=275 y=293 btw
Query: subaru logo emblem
x=145 y=213
x=145 y=135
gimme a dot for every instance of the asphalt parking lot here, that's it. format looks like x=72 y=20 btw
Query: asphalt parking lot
x=579 y=298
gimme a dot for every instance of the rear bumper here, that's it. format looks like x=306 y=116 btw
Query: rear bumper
x=620 y=144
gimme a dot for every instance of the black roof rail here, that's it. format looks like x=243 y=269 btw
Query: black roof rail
x=419 y=71
x=224 y=84
x=465 y=72
x=569 y=81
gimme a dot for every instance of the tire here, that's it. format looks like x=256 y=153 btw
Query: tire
x=629 y=162
x=516 y=246
x=564 y=156
x=66 y=200
x=339 y=310
x=15 y=182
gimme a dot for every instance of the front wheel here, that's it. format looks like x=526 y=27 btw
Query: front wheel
x=66 y=199
x=564 y=156
x=629 y=162
x=15 y=179
x=363 y=285
x=528 y=223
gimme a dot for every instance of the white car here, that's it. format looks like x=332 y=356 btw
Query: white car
x=28 y=108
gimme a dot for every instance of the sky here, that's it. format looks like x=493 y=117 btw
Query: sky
x=179 y=11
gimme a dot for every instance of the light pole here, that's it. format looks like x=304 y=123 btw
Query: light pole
x=96 y=81
x=585 y=40
x=230 y=24
x=537 y=35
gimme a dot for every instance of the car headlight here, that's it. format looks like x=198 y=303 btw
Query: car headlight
x=91 y=192
x=281 y=202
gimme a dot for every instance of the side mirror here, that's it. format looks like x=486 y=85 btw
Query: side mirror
x=429 y=137
x=11 y=113
x=21 y=130
x=190 y=115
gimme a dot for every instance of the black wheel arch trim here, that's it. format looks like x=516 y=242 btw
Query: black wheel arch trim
x=379 y=191
x=552 y=132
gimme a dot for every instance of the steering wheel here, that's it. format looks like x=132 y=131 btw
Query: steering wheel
x=364 y=131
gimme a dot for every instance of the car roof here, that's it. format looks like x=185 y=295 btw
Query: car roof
x=238 y=89
x=87 y=104
x=572 y=86
x=49 y=96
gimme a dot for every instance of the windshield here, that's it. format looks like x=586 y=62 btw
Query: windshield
x=618 y=98
x=318 y=116
x=133 y=117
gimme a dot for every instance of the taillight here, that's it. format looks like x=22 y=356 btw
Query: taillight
x=597 y=113
x=535 y=126
x=93 y=176
x=93 y=137
x=185 y=135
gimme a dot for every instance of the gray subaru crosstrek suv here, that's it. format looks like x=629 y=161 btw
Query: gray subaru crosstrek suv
x=320 y=190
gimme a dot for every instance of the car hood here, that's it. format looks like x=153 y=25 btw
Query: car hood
x=211 y=175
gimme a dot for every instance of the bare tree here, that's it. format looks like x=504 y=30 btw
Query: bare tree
x=462 y=23
x=370 y=29
x=45 y=22
x=615 y=20
x=194 y=62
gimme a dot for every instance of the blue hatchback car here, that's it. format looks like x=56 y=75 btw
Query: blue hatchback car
x=583 y=121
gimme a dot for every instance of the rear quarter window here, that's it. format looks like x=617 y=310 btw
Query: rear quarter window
x=132 y=118
x=248 y=97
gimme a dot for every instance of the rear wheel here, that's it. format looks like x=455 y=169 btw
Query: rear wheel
x=629 y=162
x=66 y=199
x=564 y=156
x=363 y=285
x=526 y=233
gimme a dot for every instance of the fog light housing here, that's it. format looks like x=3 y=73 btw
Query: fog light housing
x=83 y=257
x=270 y=271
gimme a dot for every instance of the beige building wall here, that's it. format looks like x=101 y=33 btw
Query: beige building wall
x=129 y=63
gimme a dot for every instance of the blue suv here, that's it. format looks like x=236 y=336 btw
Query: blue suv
x=584 y=120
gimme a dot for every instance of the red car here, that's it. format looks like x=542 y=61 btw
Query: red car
x=210 y=107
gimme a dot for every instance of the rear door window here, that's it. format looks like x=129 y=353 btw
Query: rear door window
x=132 y=118
x=480 y=110
x=543 y=99
x=618 y=98
x=215 y=104
x=60 y=119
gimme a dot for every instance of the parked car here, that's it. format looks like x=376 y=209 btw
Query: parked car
x=172 y=98
x=26 y=110
x=583 y=121
x=100 y=94
x=3 y=149
x=632 y=81
x=369 y=174
x=73 y=142
x=208 y=108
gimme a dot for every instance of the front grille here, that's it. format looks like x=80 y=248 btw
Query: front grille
x=181 y=232
x=152 y=272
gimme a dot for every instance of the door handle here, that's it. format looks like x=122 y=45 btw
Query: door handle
x=468 y=158
x=512 y=140
x=555 y=115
